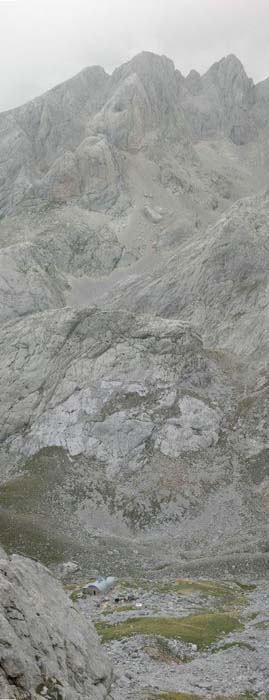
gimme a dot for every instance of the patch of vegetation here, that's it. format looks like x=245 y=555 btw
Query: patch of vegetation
x=72 y=587
x=247 y=695
x=25 y=535
x=117 y=608
x=34 y=487
x=252 y=615
x=51 y=688
x=135 y=584
x=230 y=645
x=202 y=630
x=248 y=587
x=204 y=587
x=107 y=611
x=161 y=651
x=123 y=608
x=76 y=595
x=263 y=625
x=75 y=591
x=175 y=695
x=32 y=509
x=138 y=515
x=226 y=592
x=172 y=695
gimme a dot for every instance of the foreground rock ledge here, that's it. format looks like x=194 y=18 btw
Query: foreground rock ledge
x=44 y=642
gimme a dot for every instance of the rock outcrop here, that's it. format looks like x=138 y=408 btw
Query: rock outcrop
x=98 y=373
x=221 y=101
x=62 y=242
x=217 y=281
x=47 y=649
x=126 y=423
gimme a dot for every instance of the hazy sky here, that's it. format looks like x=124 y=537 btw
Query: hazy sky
x=43 y=42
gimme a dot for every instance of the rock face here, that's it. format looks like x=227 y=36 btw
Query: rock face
x=34 y=274
x=98 y=373
x=25 y=287
x=47 y=649
x=217 y=281
x=128 y=422
x=134 y=310
x=38 y=133
x=144 y=103
x=221 y=100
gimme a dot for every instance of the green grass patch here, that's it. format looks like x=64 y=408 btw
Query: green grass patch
x=25 y=535
x=123 y=608
x=34 y=516
x=37 y=476
x=248 y=587
x=117 y=608
x=227 y=593
x=203 y=629
x=204 y=587
x=76 y=595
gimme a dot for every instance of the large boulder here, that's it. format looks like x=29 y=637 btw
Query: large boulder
x=47 y=649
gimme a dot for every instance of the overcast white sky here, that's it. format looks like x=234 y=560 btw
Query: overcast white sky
x=43 y=42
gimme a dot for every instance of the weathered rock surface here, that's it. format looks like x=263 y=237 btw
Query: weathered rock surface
x=221 y=100
x=144 y=103
x=127 y=424
x=217 y=281
x=54 y=244
x=34 y=135
x=25 y=286
x=47 y=649
x=84 y=361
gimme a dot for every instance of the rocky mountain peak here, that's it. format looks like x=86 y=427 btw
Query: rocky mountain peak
x=221 y=100
x=229 y=75
x=193 y=82
x=230 y=62
x=145 y=63
x=143 y=99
